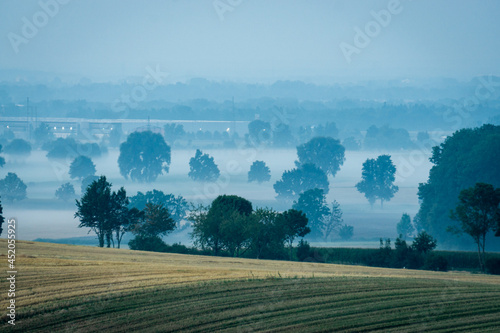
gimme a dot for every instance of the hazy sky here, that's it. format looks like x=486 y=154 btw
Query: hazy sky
x=252 y=40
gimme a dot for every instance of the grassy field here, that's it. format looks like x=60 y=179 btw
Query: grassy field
x=64 y=288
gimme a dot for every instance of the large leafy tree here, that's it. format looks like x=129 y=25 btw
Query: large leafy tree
x=479 y=213
x=267 y=235
x=105 y=212
x=325 y=152
x=296 y=181
x=293 y=223
x=377 y=179
x=144 y=156
x=81 y=167
x=223 y=225
x=203 y=168
x=259 y=172
x=95 y=209
x=313 y=204
x=467 y=157
x=12 y=188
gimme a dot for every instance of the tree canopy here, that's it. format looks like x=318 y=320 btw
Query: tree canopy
x=313 y=204
x=65 y=192
x=325 y=152
x=12 y=188
x=259 y=172
x=296 y=181
x=479 y=213
x=467 y=157
x=81 y=167
x=144 y=156
x=177 y=206
x=259 y=131
x=203 y=168
x=377 y=179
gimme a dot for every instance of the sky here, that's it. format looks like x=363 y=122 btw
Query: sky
x=251 y=40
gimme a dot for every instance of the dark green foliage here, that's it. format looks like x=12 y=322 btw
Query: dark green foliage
x=12 y=188
x=435 y=262
x=144 y=156
x=324 y=152
x=293 y=224
x=225 y=225
x=493 y=266
x=424 y=243
x=147 y=243
x=377 y=179
x=479 y=213
x=467 y=157
x=203 y=168
x=18 y=147
x=81 y=167
x=259 y=172
x=346 y=232
x=70 y=148
x=155 y=221
x=105 y=212
x=304 y=253
x=259 y=132
x=65 y=192
x=177 y=206
x=296 y=181
x=313 y=204
x=267 y=237
x=386 y=137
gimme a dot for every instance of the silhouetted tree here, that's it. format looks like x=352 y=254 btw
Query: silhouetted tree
x=424 y=243
x=467 y=157
x=94 y=209
x=405 y=227
x=266 y=235
x=65 y=192
x=81 y=167
x=296 y=181
x=332 y=221
x=324 y=152
x=259 y=172
x=203 y=168
x=156 y=222
x=12 y=188
x=43 y=134
x=173 y=132
x=479 y=213
x=293 y=223
x=144 y=156
x=378 y=179
x=313 y=204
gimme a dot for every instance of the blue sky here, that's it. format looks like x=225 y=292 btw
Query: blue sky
x=251 y=40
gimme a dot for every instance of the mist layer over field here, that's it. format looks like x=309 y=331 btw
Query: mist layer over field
x=42 y=216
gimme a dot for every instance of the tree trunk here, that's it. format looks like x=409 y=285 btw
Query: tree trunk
x=479 y=255
x=100 y=236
